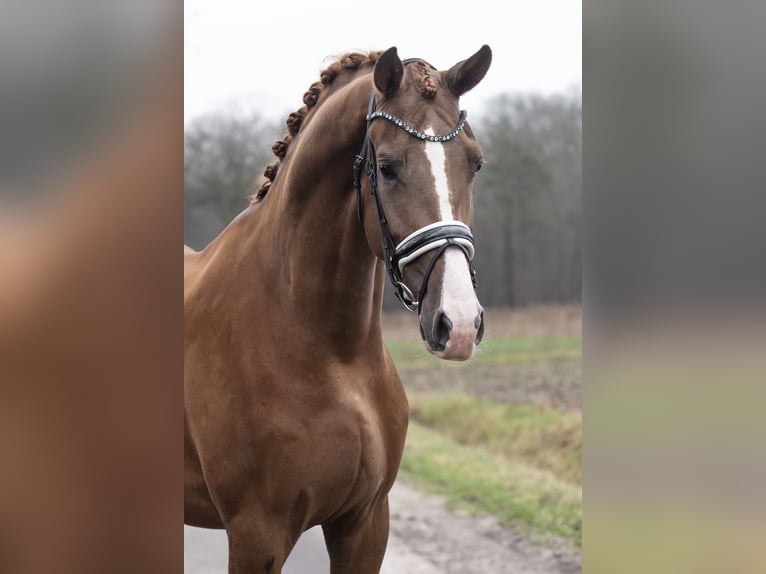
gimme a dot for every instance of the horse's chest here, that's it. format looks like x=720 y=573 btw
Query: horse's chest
x=357 y=435
x=358 y=447
x=319 y=446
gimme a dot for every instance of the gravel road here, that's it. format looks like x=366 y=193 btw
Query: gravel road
x=425 y=538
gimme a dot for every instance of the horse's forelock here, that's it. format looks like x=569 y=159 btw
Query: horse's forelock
x=424 y=79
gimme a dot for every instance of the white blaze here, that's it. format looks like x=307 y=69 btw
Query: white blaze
x=458 y=296
x=438 y=160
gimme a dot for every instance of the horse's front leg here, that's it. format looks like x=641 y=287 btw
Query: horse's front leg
x=357 y=543
x=257 y=545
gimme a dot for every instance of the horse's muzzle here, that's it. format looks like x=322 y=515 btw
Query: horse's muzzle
x=452 y=340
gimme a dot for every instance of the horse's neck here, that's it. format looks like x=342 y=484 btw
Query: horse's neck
x=315 y=259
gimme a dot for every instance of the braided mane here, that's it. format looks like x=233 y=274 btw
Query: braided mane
x=350 y=62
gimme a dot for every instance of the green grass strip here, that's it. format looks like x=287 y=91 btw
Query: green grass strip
x=535 y=435
x=516 y=494
x=499 y=351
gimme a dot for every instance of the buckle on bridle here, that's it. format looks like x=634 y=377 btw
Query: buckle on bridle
x=404 y=295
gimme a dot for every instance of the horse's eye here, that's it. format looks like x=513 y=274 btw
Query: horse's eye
x=387 y=171
x=478 y=165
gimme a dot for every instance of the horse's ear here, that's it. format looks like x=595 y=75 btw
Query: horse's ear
x=389 y=72
x=466 y=74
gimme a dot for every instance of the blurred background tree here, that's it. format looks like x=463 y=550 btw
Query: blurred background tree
x=224 y=157
x=528 y=199
x=528 y=196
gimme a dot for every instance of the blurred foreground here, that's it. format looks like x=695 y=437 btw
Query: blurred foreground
x=91 y=323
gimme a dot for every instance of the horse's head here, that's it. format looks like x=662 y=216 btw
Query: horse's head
x=426 y=159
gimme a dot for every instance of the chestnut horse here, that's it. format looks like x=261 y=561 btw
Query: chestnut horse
x=294 y=412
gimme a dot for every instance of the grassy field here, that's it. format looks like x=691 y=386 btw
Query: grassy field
x=501 y=434
x=498 y=351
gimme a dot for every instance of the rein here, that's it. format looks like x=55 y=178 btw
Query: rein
x=438 y=236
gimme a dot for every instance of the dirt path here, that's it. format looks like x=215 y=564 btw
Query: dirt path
x=426 y=538
x=436 y=540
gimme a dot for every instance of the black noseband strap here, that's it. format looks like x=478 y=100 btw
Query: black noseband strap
x=439 y=252
x=438 y=236
x=432 y=237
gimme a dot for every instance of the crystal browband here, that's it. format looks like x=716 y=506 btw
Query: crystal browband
x=418 y=134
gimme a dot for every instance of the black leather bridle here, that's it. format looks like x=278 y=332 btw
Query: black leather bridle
x=438 y=236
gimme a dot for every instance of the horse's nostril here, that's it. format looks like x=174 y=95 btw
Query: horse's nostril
x=479 y=323
x=442 y=328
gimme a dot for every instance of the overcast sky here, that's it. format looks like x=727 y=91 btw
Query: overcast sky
x=264 y=54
